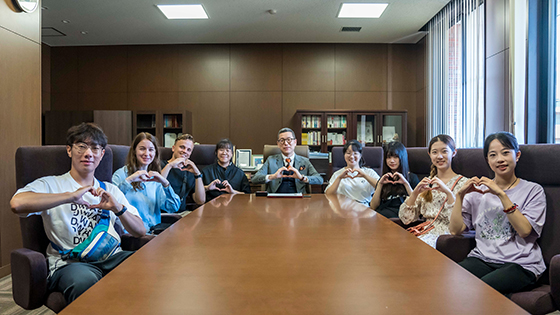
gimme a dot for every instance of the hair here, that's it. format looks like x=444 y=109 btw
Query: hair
x=395 y=149
x=184 y=136
x=85 y=132
x=132 y=164
x=433 y=169
x=356 y=147
x=286 y=129
x=507 y=139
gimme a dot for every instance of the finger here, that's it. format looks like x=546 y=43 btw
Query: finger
x=94 y=206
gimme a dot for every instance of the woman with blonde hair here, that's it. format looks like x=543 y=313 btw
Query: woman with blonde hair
x=142 y=183
x=434 y=196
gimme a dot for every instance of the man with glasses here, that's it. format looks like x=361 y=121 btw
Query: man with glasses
x=287 y=172
x=71 y=206
x=183 y=174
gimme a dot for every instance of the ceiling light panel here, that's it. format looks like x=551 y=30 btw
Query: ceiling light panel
x=361 y=10
x=183 y=11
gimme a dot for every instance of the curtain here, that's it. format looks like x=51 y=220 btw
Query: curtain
x=455 y=67
x=517 y=67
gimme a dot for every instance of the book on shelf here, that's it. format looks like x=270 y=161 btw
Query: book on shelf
x=304 y=138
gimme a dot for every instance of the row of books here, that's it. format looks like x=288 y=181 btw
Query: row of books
x=311 y=138
x=336 y=121
x=171 y=121
x=310 y=121
x=334 y=138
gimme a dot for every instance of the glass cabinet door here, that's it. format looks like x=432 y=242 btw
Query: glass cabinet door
x=392 y=128
x=366 y=129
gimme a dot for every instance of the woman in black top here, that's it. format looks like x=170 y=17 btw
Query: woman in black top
x=395 y=184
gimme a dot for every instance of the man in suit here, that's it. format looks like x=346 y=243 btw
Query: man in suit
x=287 y=172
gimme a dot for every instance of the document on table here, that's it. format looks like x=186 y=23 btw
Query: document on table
x=285 y=195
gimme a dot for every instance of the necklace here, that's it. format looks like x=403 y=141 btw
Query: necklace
x=515 y=181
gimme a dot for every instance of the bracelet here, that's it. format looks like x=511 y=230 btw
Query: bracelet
x=118 y=214
x=511 y=209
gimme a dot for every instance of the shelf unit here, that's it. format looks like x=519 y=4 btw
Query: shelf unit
x=165 y=125
x=322 y=130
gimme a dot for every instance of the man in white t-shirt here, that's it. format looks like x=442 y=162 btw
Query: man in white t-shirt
x=71 y=206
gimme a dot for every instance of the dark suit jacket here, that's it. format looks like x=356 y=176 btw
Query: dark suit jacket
x=274 y=162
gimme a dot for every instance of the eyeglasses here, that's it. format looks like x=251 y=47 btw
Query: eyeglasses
x=288 y=140
x=82 y=147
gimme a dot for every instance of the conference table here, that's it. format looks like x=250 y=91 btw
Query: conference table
x=243 y=254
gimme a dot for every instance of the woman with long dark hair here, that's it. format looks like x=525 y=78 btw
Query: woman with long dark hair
x=354 y=181
x=142 y=183
x=396 y=183
x=434 y=196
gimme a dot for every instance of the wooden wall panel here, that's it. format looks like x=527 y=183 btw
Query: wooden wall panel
x=292 y=101
x=308 y=67
x=402 y=68
x=153 y=100
x=102 y=69
x=407 y=100
x=23 y=24
x=64 y=65
x=20 y=96
x=103 y=101
x=65 y=101
x=211 y=115
x=256 y=115
x=203 y=67
x=361 y=67
x=420 y=120
x=256 y=67
x=45 y=78
x=152 y=68
x=361 y=100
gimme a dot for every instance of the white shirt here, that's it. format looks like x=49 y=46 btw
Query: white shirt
x=357 y=188
x=67 y=225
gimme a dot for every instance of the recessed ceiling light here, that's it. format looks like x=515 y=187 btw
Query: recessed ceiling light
x=65 y=21
x=84 y=32
x=183 y=11
x=361 y=10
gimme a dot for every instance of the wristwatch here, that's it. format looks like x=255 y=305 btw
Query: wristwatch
x=118 y=214
x=198 y=176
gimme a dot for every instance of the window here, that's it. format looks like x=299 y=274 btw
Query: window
x=557 y=94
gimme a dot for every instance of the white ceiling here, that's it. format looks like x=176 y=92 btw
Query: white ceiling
x=118 y=22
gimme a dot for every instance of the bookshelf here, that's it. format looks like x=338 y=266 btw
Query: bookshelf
x=165 y=125
x=322 y=130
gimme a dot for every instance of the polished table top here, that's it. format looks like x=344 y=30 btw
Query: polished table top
x=321 y=255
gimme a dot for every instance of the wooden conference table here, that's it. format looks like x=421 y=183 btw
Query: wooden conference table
x=321 y=255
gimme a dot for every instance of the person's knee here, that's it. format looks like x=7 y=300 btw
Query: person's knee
x=77 y=279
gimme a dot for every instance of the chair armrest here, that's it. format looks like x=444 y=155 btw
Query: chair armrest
x=29 y=278
x=405 y=226
x=170 y=218
x=456 y=247
x=129 y=242
x=555 y=278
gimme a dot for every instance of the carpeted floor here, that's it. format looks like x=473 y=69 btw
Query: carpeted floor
x=9 y=307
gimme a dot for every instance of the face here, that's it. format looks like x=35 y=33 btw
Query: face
x=441 y=155
x=145 y=152
x=352 y=157
x=502 y=160
x=85 y=156
x=224 y=155
x=393 y=162
x=182 y=148
x=287 y=143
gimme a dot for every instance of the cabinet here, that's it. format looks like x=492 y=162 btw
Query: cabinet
x=117 y=124
x=323 y=130
x=165 y=125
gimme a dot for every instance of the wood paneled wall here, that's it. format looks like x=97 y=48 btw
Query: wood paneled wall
x=20 y=99
x=244 y=92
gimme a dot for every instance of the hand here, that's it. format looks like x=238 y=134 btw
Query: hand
x=77 y=196
x=138 y=176
x=351 y=173
x=227 y=187
x=398 y=178
x=424 y=185
x=279 y=173
x=493 y=188
x=439 y=185
x=295 y=173
x=472 y=185
x=386 y=179
x=212 y=185
x=177 y=163
x=154 y=176
x=189 y=166
x=107 y=202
